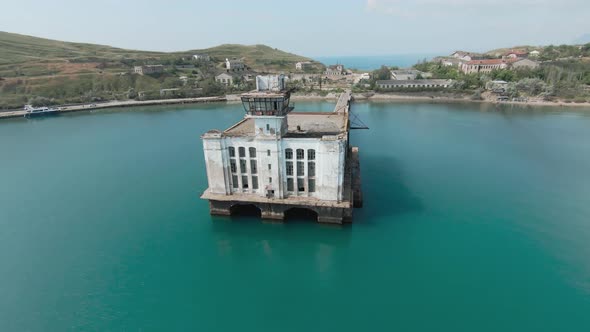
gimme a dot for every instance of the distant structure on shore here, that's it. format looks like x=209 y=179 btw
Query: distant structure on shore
x=224 y=79
x=280 y=162
x=335 y=70
x=408 y=74
x=149 y=69
x=234 y=65
x=201 y=57
x=488 y=65
x=302 y=65
x=408 y=84
x=470 y=63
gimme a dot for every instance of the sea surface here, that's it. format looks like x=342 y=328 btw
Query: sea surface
x=372 y=62
x=475 y=219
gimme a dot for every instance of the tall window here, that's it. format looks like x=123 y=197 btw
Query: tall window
x=253 y=166
x=300 y=185
x=232 y=165
x=245 y=182
x=300 y=153
x=234 y=180
x=232 y=151
x=289 y=154
x=252 y=152
x=268 y=153
x=290 y=184
x=300 y=168
x=242 y=151
x=311 y=168
x=311 y=185
x=254 y=182
x=289 y=168
x=242 y=166
x=311 y=154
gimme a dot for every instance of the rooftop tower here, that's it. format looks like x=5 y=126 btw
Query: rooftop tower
x=268 y=105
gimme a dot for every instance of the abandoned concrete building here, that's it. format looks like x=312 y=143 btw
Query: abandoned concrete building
x=277 y=160
x=149 y=69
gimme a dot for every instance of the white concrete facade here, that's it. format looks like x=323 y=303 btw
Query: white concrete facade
x=225 y=79
x=269 y=165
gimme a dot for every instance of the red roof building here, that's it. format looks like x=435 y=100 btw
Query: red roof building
x=484 y=66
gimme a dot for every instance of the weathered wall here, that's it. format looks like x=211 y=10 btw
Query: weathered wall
x=277 y=211
x=271 y=165
x=216 y=164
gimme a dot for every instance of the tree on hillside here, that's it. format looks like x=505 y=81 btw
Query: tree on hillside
x=211 y=87
x=382 y=73
x=503 y=74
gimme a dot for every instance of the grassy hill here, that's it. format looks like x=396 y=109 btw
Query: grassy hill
x=27 y=51
x=16 y=48
x=78 y=72
x=261 y=58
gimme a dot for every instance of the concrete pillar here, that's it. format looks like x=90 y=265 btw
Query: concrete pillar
x=330 y=215
x=329 y=220
x=274 y=212
x=219 y=208
x=273 y=215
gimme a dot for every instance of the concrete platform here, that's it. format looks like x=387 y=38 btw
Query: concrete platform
x=333 y=212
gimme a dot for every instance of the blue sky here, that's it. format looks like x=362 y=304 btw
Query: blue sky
x=312 y=28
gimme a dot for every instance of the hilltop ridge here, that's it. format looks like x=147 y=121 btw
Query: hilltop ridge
x=28 y=51
x=68 y=72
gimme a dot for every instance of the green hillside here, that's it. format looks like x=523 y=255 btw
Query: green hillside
x=260 y=57
x=16 y=48
x=64 y=72
x=33 y=52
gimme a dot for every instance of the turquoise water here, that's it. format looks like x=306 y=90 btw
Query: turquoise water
x=373 y=62
x=475 y=219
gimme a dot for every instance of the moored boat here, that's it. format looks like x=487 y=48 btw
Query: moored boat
x=34 y=111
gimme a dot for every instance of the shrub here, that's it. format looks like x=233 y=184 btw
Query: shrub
x=476 y=96
x=41 y=101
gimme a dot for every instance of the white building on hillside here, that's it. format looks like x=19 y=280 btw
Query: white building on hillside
x=464 y=56
x=534 y=53
x=225 y=79
x=302 y=65
x=201 y=57
x=234 y=65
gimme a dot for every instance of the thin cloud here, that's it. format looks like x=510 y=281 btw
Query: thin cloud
x=417 y=8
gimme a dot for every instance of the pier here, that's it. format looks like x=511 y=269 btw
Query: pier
x=343 y=103
x=113 y=104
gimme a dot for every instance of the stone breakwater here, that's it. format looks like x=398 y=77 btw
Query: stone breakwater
x=126 y=103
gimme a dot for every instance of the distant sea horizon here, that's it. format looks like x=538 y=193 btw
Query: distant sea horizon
x=372 y=62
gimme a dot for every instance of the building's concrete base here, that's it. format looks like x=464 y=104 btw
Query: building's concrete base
x=276 y=211
x=329 y=212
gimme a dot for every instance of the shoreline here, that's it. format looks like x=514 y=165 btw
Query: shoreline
x=384 y=97
x=114 y=104
x=359 y=97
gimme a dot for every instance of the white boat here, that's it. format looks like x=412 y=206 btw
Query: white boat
x=33 y=111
